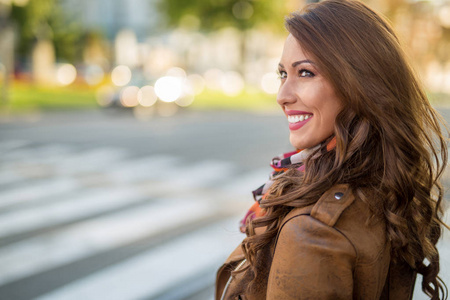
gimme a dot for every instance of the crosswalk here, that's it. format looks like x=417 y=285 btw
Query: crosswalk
x=146 y=275
x=100 y=223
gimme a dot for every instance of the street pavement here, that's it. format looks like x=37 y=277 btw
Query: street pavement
x=99 y=205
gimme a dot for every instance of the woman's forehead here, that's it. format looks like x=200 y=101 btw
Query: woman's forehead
x=292 y=51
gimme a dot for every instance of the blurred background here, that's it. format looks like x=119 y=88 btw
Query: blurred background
x=133 y=132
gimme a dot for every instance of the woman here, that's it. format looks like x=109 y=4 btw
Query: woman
x=356 y=213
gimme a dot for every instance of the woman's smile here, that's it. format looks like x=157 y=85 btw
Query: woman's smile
x=297 y=118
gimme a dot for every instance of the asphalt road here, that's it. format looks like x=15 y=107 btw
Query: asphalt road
x=99 y=205
x=247 y=139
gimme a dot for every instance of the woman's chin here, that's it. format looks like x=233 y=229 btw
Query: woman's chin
x=298 y=142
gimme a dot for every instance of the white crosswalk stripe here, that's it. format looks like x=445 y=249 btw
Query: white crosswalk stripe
x=102 y=234
x=247 y=182
x=69 y=209
x=7 y=178
x=45 y=154
x=60 y=205
x=33 y=192
x=90 y=161
x=6 y=146
x=154 y=271
x=140 y=169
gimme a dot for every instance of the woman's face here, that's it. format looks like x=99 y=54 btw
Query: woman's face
x=306 y=97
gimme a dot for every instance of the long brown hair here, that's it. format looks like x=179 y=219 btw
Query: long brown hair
x=389 y=140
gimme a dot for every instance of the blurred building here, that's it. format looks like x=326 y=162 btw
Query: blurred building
x=111 y=16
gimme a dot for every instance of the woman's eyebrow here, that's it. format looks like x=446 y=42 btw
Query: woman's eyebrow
x=294 y=64
x=305 y=61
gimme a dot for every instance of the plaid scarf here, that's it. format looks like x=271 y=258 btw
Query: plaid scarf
x=280 y=164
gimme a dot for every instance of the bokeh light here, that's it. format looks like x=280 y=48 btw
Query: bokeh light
x=105 y=95
x=213 y=78
x=126 y=48
x=168 y=88
x=93 y=74
x=129 y=96
x=444 y=15
x=20 y=2
x=147 y=96
x=185 y=101
x=121 y=75
x=270 y=83
x=176 y=72
x=232 y=83
x=195 y=84
x=66 y=74
x=242 y=10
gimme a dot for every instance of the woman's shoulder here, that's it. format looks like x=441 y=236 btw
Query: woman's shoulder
x=341 y=210
x=335 y=247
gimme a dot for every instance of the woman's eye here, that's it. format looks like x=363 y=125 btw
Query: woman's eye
x=282 y=74
x=305 y=73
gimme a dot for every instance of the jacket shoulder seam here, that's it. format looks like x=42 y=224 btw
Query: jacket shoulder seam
x=351 y=243
x=332 y=227
x=284 y=223
x=330 y=206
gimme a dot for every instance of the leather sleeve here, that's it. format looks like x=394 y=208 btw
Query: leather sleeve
x=311 y=261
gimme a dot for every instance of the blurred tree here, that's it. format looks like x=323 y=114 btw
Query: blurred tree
x=45 y=20
x=211 y=15
x=216 y=14
x=6 y=51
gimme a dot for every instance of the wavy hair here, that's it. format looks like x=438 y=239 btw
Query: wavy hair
x=389 y=140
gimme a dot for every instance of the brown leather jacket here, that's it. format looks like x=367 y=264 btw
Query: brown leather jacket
x=329 y=250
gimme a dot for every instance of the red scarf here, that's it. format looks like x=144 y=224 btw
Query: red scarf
x=280 y=164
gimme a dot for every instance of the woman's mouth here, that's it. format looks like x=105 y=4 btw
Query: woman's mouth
x=298 y=120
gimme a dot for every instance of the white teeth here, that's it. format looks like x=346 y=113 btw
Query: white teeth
x=298 y=118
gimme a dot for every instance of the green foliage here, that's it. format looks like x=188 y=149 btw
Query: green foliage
x=45 y=20
x=251 y=100
x=24 y=97
x=67 y=39
x=27 y=97
x=216 y=14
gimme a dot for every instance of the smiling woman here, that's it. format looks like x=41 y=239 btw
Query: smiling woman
x=306 y=97
x=355 y=211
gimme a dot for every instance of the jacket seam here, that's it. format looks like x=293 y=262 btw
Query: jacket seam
x=359 y=261
x=305 y=214
x=284 y=223
x=374 y=261
x=351 y=243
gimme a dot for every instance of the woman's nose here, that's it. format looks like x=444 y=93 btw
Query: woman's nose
x=286 y=94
